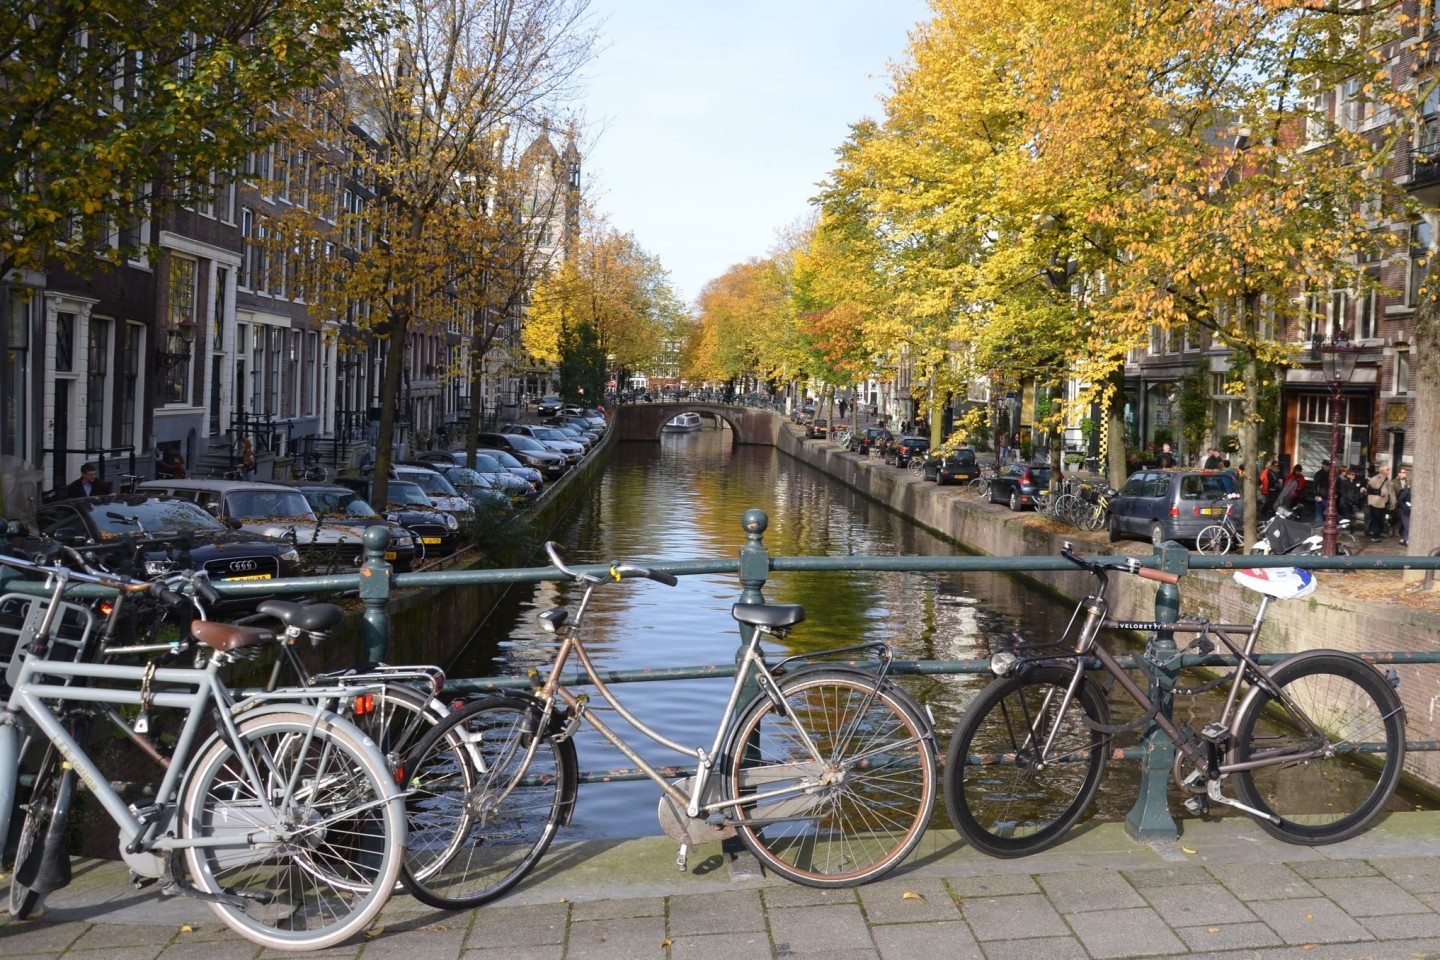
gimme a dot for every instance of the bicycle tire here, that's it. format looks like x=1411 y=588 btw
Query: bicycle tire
x=337 y=867
x=1094 y=519
x=46 y=812
x=916 y=467
x=464 y=851
x=978 y=487
x=1003 y=801
x=1356 y=704
x=1213 y=540
x=315 y=473
x=878 y=766
x=1066 y=508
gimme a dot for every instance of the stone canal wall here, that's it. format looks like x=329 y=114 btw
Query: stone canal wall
x=1356 y=612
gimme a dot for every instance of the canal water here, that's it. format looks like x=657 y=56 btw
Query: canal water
x=682 y=499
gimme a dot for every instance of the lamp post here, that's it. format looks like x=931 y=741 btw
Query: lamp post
x=176 y=351
x=1338 y=359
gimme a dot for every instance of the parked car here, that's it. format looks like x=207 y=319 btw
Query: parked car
x=485 y=495
x=862 y=441
x=436 y=533
x=443 y=496
x=553 y=439
x=273 y=510
x=590 y=415
x=222 y=551
x=529 y=451
x=958 y=467
x=1174 y=504
x=1019 y=484
x=335 y=501
x=580 y=435
x=583 y=424
x=817 y=429
x=549 y=406
x=520 y=489
x=902 y=451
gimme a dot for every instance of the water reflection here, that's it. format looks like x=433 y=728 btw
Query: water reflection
x=683 y=499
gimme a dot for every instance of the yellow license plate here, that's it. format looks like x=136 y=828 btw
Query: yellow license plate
x=1210 y=511
x=429 y=539
x=391 y=555
x=251 y=576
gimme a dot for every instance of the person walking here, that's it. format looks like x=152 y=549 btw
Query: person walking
x=1321 y=483
x=1402 y=507
x=89 y=484
x=1213 y=461
x=1292 y=492
x=1270 y=484
x=1402 y=483
x=1380 y=498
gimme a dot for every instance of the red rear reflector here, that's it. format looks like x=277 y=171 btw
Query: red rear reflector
x=365 y=703
x=106 y=608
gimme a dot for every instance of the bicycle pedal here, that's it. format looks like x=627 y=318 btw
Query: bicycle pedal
x=1214 y=732
x=1199 y=806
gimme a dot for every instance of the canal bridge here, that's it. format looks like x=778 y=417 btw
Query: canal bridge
x=644 y=421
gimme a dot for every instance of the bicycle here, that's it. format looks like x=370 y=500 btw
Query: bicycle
x=313 y=471
x=1027 y=756
x=1221 y=537
x=289 y=822
x=827 y=772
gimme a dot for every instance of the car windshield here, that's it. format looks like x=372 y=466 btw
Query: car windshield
x=268 y=505
x=404 y=493
x=963 y=456
x=432 y=483
x=548 y=433
x=487 y=463
x=525 y=443
x=155 y=516
x=503 y=457
x=346 y=503
x=465 y=477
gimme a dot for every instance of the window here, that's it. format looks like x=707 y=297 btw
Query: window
x=1367 y=305
x=1422 y=240
x=14 y=410
x=130 y=386
x=64 y=342
x=97 y=399
x=1402 y=373
x=180 y=315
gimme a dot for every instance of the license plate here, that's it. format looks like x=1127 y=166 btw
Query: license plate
x=1210 y=511
x=430 y=540
x=391 y=554
x=251 y=576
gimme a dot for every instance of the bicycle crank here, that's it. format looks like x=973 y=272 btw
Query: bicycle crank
x=686 y=830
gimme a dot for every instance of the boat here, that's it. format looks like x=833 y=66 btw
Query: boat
x=684 y=423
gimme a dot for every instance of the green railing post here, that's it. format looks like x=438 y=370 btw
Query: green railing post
x=375 y=593
x=1150 y=818
x=754 y=571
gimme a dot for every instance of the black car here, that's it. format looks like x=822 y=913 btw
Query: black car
x=862 y=441
x=221 y=551
x=958 y=467
x=335 y=500
x=902 y=451
x=817 y=428
x=1019 y=484
x=436 y=533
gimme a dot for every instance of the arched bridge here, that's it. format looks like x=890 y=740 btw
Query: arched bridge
x=643 y=421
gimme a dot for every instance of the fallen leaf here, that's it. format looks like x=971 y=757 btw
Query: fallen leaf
x=1307 y=946
x=1214 y=929
x=437 y=928
x=1188 y=850
x=1309 y=916
x=911 y=895
x=186 y=928
x=664 y=943
x=374 y=932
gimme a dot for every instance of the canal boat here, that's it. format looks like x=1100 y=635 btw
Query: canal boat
x=684 y=423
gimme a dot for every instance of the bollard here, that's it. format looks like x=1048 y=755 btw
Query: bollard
x=375 y=594
x=754 y=571
x=1150 y=818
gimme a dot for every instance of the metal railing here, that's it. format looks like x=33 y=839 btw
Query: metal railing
x=1149 y=819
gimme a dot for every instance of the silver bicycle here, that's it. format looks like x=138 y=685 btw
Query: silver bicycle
x=289 y=822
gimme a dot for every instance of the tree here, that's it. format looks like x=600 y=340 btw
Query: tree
x=116 y=108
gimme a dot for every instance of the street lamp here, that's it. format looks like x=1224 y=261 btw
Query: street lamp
x=1338 y=359
x=176 y=350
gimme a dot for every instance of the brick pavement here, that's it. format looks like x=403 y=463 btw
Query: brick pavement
x=1225 y=890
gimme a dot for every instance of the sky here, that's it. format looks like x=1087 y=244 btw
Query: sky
x=711 y=123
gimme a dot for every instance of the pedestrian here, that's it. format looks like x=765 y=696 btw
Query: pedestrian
x=89 y=484
x=1270 y=484
x=1380 y=497
x=842 y=408
x=1292 y=492
x=1002 y=447
x=246 y=464
x=1403 y=508
x=1321 y=486
x=170 y=466
x=1213 y=461
x=1167 y=458
x=1402 y=482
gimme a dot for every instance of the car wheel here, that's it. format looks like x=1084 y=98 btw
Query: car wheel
x=1015 y=500
x=1114 y=528
x=1157 y=534
x=939 y=479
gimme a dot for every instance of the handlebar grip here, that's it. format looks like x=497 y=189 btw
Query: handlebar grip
x=666 y=578
x=205 y=589
x=167 y=596
x=1159 y=576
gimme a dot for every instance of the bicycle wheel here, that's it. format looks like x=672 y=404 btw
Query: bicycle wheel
x=397 y=717
x=1331 y=702
x=1093 y=518
x=849 y=814
x=302 y=872
x=977 y=487
x=1213 y=540
x=1003 y=795
x=475 y=831
x=47 y=815
x=1066 y=508
x=916 y=468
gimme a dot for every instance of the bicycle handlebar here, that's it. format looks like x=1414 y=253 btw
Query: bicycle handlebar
x=1129 y=565
x=618 y=571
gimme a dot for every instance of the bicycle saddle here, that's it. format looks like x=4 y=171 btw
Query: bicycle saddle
x=310 y=617
x=768 y=614
x=1282 y=583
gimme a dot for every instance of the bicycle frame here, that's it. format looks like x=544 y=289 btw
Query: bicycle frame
x=752 y=663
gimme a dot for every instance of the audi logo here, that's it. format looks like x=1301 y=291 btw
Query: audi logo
x=241 y=565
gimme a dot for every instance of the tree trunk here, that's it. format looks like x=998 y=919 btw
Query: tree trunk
x=1249 y=463
x=1115 y=431
x=1425 y=478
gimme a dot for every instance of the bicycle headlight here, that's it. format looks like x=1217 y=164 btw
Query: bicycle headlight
x=1003 y=663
